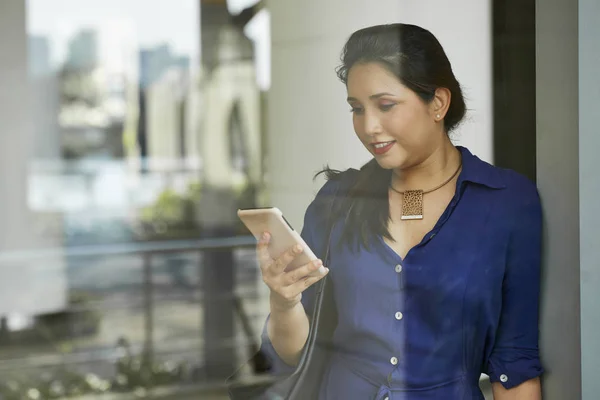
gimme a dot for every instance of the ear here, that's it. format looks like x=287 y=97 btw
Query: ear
x=440 y=104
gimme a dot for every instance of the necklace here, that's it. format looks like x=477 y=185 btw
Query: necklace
x=412 y=200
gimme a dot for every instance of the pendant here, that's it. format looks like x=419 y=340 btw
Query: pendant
x=412 y=205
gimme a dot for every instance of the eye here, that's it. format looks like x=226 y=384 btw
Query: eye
x=386 y=107
x=356 y=110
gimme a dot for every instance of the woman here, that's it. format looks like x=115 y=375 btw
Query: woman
x=436 y=271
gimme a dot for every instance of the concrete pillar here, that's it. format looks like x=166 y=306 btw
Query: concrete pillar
x=568 y=94
x=309 y=124
x=589 y=194
x=557 y=178
x=39 y=286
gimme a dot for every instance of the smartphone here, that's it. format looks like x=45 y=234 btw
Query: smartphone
x=283 y=236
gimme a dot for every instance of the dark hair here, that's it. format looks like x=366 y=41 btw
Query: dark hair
x=417 y=58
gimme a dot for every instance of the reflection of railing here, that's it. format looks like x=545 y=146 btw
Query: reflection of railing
x=129 y=248
x=148 y=250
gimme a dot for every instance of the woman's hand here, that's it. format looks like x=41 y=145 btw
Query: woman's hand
x=286 y=287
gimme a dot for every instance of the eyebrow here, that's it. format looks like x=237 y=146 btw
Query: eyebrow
x=372 y=97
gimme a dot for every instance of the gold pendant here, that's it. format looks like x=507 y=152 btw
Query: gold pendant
x=412 y=204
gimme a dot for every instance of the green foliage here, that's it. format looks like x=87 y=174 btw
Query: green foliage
x=132 y=375
x=172 y=212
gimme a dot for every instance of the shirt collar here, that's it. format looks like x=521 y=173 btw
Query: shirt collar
x=477 y=171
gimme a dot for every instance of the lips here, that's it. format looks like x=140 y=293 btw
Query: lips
x=382 y=147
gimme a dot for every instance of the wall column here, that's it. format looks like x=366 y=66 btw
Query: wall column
x=39 y=286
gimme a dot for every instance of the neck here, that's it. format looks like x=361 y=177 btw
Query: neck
x=433 y=170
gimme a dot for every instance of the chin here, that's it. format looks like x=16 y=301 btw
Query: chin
x=389 y=162
x=398 y=159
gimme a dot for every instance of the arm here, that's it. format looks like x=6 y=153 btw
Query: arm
x=288 y=326
x=288 y=332
x=514 y=366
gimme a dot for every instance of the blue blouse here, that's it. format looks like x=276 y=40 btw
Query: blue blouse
x=462 y=302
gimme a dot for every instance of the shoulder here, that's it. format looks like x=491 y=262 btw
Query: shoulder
x=504 y=182
x=511 y=187
x=519 y=200
x=512 y=193
x=520 y=191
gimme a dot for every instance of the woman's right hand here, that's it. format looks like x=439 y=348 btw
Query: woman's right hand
x=286 y=287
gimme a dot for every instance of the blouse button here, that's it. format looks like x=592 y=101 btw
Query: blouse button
x=398 y=268
x=399 y=315
x=503 y=378
x=394 y=360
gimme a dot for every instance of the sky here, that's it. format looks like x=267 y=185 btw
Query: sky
x=151 y=22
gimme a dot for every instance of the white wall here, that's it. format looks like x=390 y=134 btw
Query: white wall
x=39 y=286
x=308 y=120
x=465 y=31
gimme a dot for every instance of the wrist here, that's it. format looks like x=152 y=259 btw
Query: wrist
x=281 y=305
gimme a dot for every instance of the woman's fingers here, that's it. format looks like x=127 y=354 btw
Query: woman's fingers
x=291 y=277
x=262 y=252
x=287 y=285
x=305 y=283
x=279 y=265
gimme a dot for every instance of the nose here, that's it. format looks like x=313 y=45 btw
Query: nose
x=372 y=124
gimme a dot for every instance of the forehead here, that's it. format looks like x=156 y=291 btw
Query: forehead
x=365 y=79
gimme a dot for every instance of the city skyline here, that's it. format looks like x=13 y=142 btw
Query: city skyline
x=83 y=53
x=160 y=23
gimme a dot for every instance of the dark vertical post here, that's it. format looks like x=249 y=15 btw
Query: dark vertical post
x=219 y=308
x=148 y=309
x=217 y=217
x=514 y=89
x=142 y=134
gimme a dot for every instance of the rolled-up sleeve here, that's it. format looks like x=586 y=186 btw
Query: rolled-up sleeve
x=515 y=355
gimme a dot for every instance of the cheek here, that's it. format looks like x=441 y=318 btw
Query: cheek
x=397 y=123
x=403 y=123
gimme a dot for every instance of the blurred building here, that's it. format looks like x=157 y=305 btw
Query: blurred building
x=154 y=62
x=167 y=105
x=169 y=90
x=83 y=50
x=97 y=88
x=39 y=56
x=45 y=98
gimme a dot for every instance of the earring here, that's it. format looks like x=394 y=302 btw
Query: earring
x=437 y=116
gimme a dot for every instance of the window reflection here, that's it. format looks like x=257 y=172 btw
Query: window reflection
x=136 y=132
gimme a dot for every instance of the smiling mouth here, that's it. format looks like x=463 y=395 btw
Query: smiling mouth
x=382 y=147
